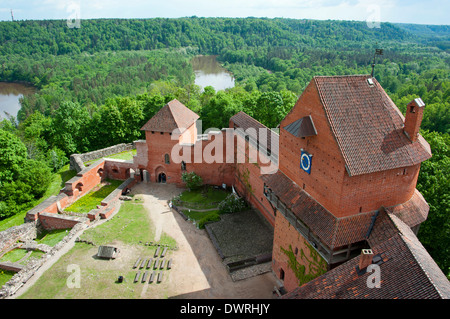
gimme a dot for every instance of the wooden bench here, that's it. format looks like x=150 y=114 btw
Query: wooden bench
x=160 y=276
x=149 y=264
x=143 y=263
x=137 y=262
x=152 y=277
x=164 y=252
x=144 y=278
x=157 y=251
x=169 y=264
x=155 y=266
x=163 y=263
x=136 y=278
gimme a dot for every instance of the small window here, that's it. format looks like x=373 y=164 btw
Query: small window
x=167 y=159
x=153 y=132
x=183 y=165
x=162 y=133
x=412 y=109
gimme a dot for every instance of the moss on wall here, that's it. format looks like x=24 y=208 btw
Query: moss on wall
x=312 y=265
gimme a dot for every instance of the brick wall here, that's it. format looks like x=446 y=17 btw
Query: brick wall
x=329 y=182
x=56 y=221
x=287 y=237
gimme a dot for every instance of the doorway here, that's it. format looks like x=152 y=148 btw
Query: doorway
x=162 y=178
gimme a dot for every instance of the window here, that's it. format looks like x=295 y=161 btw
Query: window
x=167 y=159
x=183 y=166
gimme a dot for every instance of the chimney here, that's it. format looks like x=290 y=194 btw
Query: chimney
x=365 y=259
x=413 y=118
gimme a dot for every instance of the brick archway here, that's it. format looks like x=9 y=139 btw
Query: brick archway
x=160 y=174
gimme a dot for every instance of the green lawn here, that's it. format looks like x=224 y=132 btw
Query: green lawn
x=51 y=238
x=14 y=255
x=204 y=198
x=129 y=226
x=90 y=201
x=5 y=276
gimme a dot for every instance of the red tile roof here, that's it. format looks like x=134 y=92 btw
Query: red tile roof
x=367 y=125
x=332 y=231
x=245 y=121
x=173 y=116
x=407 y=271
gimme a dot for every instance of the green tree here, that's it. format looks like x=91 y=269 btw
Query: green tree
x=13 y=155
x=434 y=183
x=69 y=128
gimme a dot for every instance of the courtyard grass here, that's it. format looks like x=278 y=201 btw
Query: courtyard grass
x=90 y=201
x=5 y=276
x=130 y=226
x=51 y=238
x=203 y=198
x=130 y=229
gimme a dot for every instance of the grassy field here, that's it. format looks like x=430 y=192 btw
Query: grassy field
x=128 y=230
x=90 y=201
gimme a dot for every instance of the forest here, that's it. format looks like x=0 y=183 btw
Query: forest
x=98 y=84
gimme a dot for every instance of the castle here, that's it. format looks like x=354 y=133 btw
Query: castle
x=337 y=183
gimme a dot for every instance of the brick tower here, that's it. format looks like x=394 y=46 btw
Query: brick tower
x=345 y=153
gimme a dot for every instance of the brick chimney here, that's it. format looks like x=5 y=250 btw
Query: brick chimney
x=365 y=259
x=413 y=118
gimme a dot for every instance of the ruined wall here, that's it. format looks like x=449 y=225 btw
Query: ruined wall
x=11 y=235
x=76 y=160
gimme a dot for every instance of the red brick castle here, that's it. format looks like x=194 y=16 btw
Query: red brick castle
x=338 y=185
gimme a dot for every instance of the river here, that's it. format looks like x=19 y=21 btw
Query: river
x=10 y=93
x=209 y=72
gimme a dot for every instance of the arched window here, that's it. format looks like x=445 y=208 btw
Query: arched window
x=167 y=159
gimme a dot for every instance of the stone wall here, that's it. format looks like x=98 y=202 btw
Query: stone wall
x=19 y=279
x=10 y=236
x=76 y=160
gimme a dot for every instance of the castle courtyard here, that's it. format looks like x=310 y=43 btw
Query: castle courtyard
x=197 y=269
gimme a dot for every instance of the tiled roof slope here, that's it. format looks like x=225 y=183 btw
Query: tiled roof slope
x=173 y=116
x=367 y=125
x=407 y=271
x=245 y=121
x=332 y=231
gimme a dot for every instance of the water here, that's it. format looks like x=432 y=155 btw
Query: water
x=208 y=72
x=10 y=93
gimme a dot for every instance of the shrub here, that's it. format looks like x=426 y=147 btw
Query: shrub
x=213 y=217
x=192 y=180
x=231 y=204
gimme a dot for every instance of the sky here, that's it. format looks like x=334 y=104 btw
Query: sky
x=403 y=11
